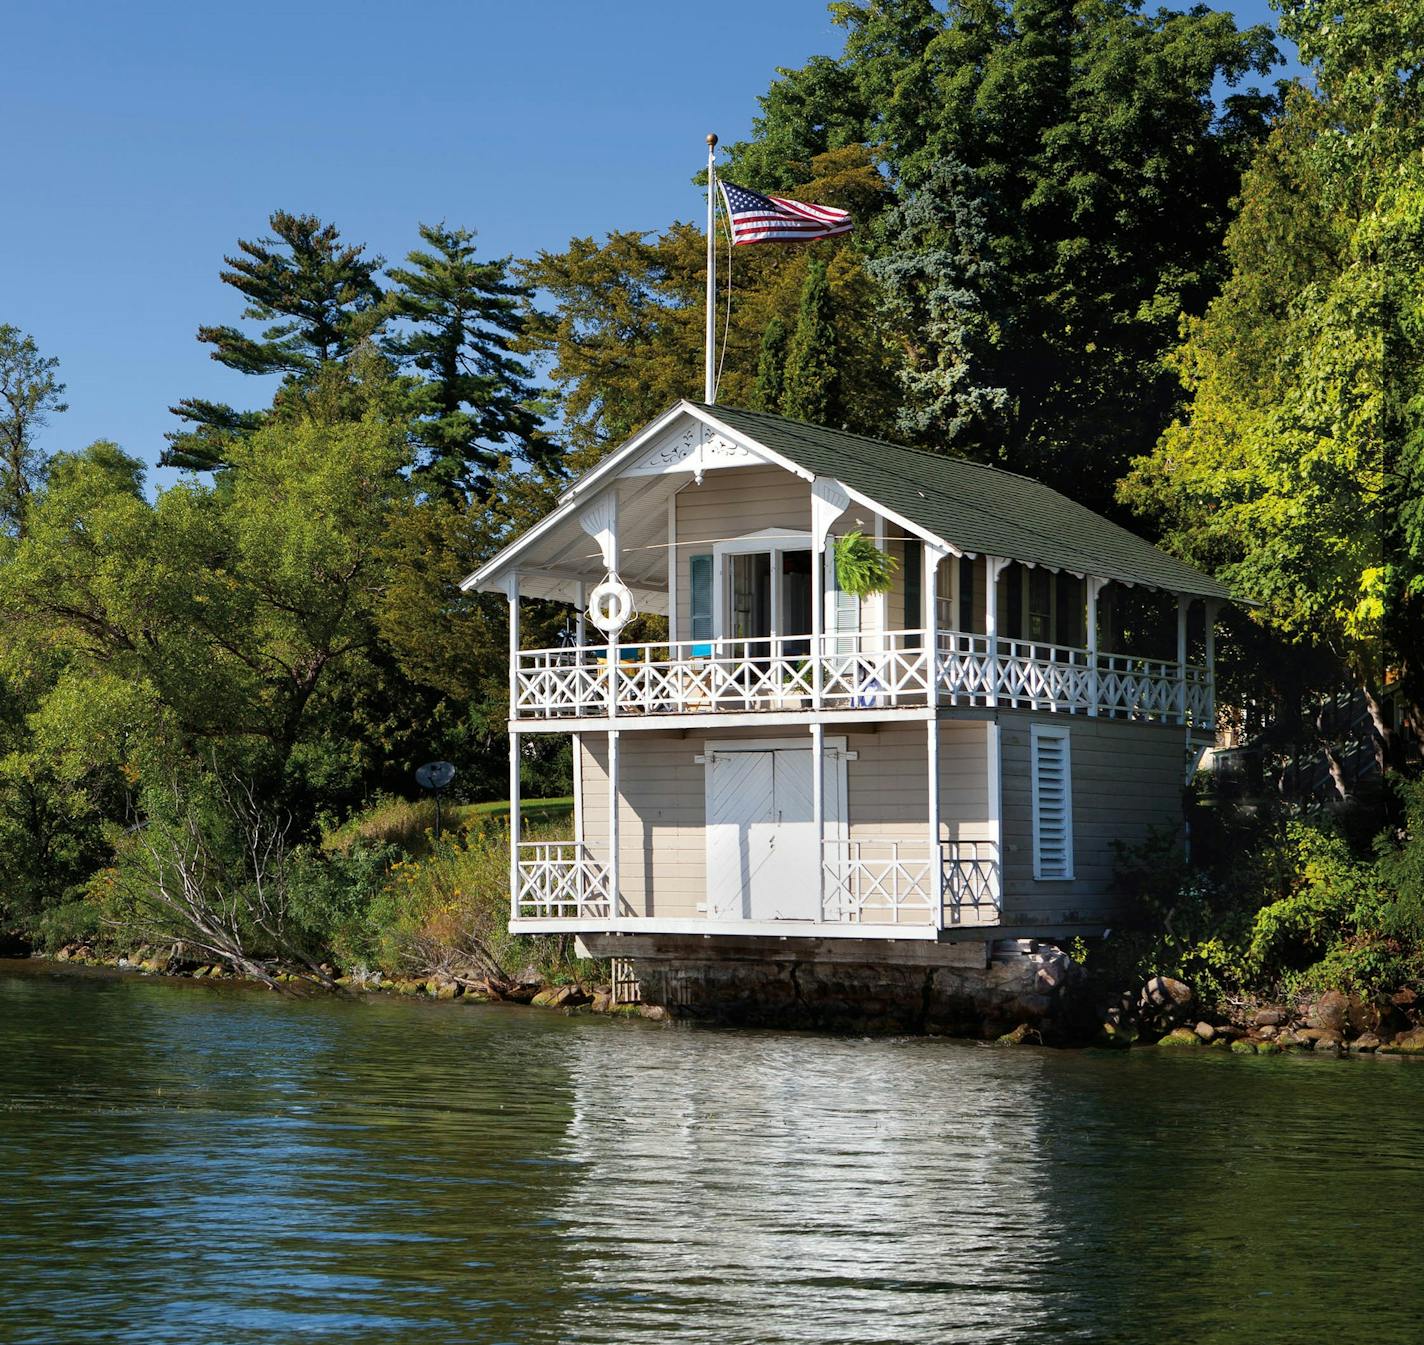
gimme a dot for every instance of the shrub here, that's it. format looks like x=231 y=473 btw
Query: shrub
x=69 y=922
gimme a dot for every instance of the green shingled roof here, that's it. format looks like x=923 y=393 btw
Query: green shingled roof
x=973 y=507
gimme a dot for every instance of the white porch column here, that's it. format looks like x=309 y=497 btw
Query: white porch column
x=935 y=880
x=613 y=795
x=928 y=587
x=580 y=617
x=818 y=812
x=995 y=749
x=829 y=500
x=511 y=588
x=1211 y=609
x=1183 y=603
x=993 y=568
x=672 y=570
x=1094 y=587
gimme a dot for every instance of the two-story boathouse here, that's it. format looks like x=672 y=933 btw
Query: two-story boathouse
x=949 y=761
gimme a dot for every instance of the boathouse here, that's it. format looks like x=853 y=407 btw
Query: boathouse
x=795 y=770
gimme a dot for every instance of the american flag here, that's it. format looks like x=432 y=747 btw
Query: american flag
x=774 y=219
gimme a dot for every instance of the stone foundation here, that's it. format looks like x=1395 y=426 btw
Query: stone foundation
x=941 y=989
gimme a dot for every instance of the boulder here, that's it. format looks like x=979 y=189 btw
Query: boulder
x=1243 y=1047
x=1020 y=1035
x=1270 y=1018
x=449 y=990
x=1365 y=1043
x=1331 y=1012
x=1267 y=1048
x=1181 y=1036
x=1411 y=1042
x=1267 y=1032
x=603 y=1001
x=654 y=1011
x=1292 y=1041
x=1328 y=1043
x=1403 y=999
x=1163 y=996
x=1205 y=1031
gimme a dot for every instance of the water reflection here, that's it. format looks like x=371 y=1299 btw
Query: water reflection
x=190 y=1164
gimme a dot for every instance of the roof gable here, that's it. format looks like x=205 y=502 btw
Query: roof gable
x=968 y=507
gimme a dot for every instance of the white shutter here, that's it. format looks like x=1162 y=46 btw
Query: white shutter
x=843 y=609
x=1052 y=803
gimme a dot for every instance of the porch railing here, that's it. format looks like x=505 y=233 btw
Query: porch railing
x=860 y=670
x=560 y=880
x=870 y=882
x=887 y=882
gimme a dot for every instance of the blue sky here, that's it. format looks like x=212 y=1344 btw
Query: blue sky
x=146 y=138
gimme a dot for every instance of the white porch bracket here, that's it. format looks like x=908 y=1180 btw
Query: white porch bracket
x=600 y=521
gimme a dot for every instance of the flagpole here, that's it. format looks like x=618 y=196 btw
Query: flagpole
x=710 y=381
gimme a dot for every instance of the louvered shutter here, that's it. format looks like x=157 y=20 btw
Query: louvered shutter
x=1052 y=803
x=844 y=609
x=700 y=582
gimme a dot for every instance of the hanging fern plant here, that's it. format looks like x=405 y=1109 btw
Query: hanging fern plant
x=862 y=568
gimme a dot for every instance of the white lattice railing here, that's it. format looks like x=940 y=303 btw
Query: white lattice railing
x=861 y=670
x=560 y=880
x=875 y=882
x=887 y=881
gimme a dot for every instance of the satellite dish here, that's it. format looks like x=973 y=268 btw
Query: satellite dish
x=435 y=775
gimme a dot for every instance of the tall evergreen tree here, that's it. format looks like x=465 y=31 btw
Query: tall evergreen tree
x=320 y=298
x=812 y=387
x=473 y=402
x=29 y=393
x=771 y=368
x=944 y=292
x=1091 y=139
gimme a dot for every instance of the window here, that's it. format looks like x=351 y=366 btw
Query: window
x=1052 y=803
x=966 y=593
x=1040 y=604
x=700 y=579
x=913 y=568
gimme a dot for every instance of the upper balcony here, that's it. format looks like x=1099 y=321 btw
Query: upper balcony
x=864 y=672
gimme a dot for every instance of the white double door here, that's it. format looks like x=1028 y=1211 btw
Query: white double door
x=762 y=855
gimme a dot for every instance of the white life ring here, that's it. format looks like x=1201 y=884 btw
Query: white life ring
x=610 y=605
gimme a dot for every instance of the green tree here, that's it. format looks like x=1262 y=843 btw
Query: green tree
x=771 y=368
x=319 y=298
x=1296 y=465
x=812 y=391
x=623 y=336
x=1070 y=161
x=30 y=392
x=473 y=404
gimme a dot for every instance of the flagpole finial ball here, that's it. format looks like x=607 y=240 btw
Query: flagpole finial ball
x=712 y=142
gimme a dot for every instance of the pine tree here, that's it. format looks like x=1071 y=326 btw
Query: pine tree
x=811 y=391
x=473 y=402
x=29 y=392
x=321 y=300
x=771 y=368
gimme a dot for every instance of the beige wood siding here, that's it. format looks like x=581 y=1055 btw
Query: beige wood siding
x=662 y=843
x=1127 y=779
x=732 y=502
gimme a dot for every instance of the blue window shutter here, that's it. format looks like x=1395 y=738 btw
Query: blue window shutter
x=700 y=579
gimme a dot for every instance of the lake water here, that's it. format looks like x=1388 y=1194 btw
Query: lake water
x=206 y=1164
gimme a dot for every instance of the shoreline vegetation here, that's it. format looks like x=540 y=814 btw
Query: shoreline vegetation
x=1188 y=297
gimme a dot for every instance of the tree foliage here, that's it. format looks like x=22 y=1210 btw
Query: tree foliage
x=320 y=299
x=471 y=403
x=30 y=392
x=1296 y=469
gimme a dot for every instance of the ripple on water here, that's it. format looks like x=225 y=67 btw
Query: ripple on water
x=182 y=1164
